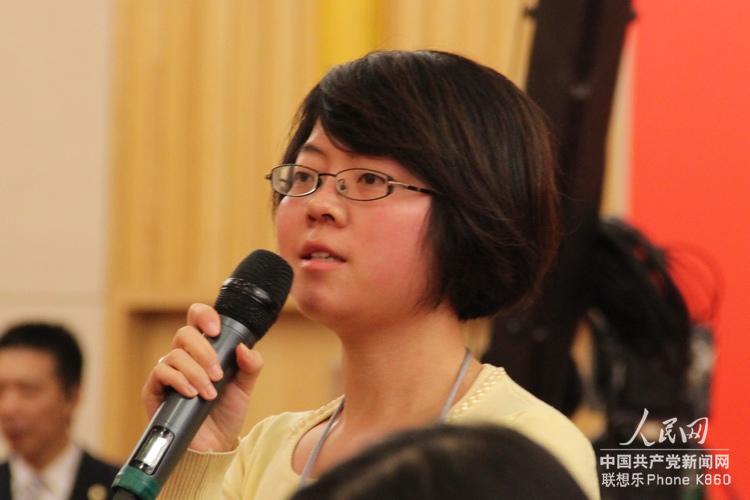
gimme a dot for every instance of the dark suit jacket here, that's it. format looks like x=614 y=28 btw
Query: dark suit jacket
x=91 y=472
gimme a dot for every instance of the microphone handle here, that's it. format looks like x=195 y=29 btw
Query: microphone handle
x=177 y=420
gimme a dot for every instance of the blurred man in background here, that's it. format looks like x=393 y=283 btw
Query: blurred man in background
x=40 y=379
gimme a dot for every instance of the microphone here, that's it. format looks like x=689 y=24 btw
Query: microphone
x=249 y=302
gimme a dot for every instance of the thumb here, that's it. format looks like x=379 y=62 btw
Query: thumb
x=250 y=364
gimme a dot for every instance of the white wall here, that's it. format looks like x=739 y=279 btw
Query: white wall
x=55 y=65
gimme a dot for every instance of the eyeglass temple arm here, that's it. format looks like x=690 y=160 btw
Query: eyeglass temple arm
x=413 y=188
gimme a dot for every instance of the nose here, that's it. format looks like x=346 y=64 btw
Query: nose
x=326 y=204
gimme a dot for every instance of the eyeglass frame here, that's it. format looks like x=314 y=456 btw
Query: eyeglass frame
x=319 y=182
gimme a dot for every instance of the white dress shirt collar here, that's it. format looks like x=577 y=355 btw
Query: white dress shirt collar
x=58 y=477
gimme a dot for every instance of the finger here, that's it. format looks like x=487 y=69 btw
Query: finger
x=199 y=348
x=250 y=363
x=161 y=377
x=204 y=318
x=164 y=376
x=186 y=365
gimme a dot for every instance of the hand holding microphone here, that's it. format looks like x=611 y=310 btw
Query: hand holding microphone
x=188 y=369
x=205 y=402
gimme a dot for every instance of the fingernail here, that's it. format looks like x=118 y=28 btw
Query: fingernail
x=210 y=392
x=192 y=391
x=215 y=372
x=215 y=328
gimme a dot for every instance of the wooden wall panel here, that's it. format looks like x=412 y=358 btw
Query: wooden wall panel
x=204 y=94
x=498 y=34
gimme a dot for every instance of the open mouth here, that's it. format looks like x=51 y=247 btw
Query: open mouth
x=322 y=256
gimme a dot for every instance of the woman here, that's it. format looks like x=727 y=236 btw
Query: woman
x=417 y=192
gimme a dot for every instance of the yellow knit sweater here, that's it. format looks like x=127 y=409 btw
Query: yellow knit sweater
x=261 y=466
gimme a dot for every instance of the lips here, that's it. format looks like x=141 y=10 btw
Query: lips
x=13 y=435
x=315 y=252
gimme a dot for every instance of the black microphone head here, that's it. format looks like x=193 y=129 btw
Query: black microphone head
x=256 y=291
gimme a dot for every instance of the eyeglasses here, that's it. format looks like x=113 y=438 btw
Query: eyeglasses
x=359 y=184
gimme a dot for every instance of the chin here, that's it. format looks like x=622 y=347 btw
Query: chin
x=323 y=310
x=313 y=308
x=21 y=449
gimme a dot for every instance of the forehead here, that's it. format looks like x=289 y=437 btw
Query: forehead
x=323 y=154
x=23 y=363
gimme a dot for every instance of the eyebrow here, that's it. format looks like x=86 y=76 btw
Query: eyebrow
x=309 y=147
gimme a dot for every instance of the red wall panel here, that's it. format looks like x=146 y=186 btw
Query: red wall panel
x=690 y=178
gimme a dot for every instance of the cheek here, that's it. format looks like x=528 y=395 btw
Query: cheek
x=34 y=410
x=286 y=222
x=399 y=252
x=402 y=250
x=44 y=406
x=51 y=402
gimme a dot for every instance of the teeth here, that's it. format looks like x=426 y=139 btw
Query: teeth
x=322 y=255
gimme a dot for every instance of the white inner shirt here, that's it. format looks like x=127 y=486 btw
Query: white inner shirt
x=57 y=478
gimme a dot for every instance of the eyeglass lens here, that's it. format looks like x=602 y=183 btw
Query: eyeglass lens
x=355 y=183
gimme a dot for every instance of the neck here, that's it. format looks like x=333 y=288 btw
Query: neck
x=400 y=375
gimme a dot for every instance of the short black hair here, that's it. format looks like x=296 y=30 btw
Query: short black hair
x=51 y=338
x=469 y=133
x=484 y=462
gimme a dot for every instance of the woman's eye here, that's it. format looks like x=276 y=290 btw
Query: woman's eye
x=371 y=179
x=301 y=177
